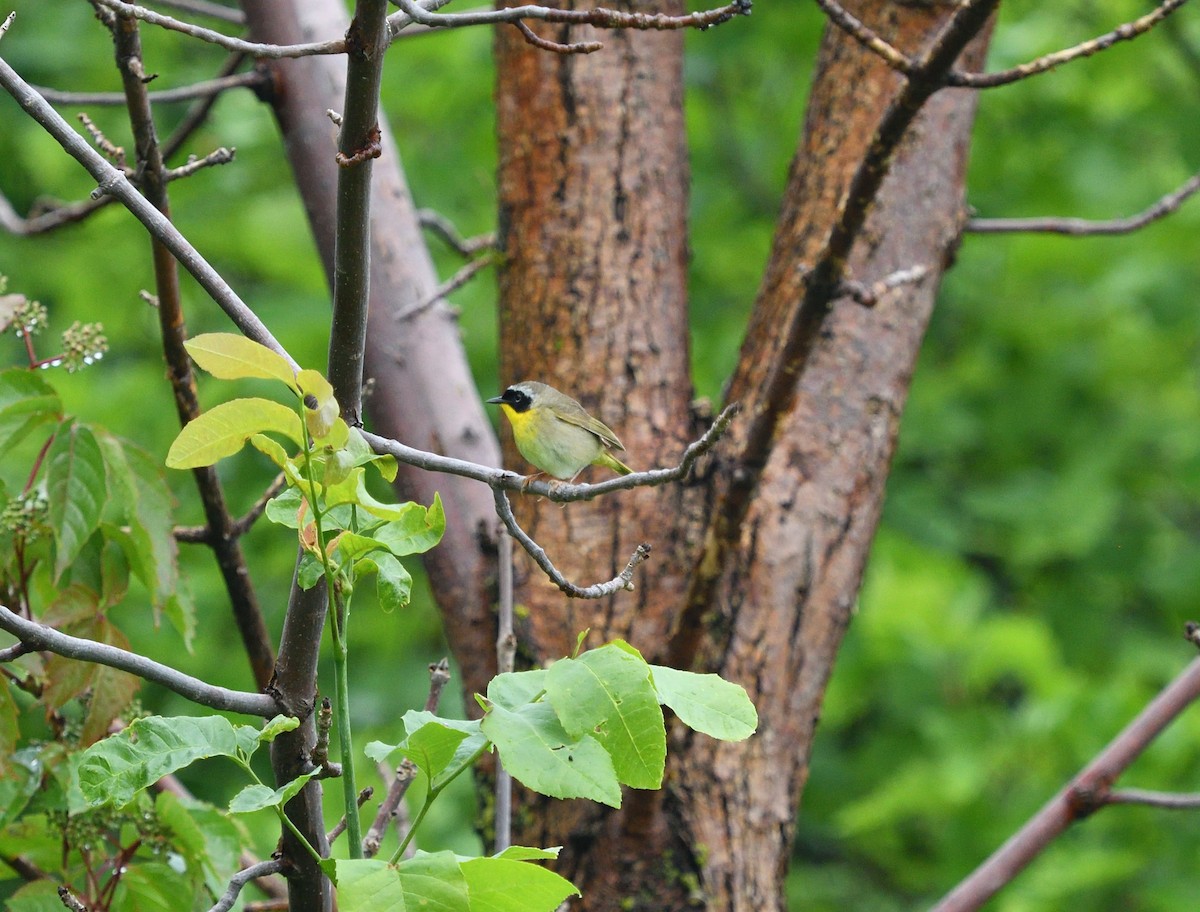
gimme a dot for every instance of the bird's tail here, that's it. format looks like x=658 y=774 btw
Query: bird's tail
x=610 y=461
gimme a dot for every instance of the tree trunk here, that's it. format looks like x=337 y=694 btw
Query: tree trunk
x=593 y=196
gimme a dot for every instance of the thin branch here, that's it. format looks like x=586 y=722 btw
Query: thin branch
x=269 y=51
x=1171 y=801
x=239 y=527
x=867 y=37
x=254 y=79
x=14 y=652
x=444 y=229
x=597 y=17
x=1077 y=227
x=364 y=795
x=545 y=44
x=452 y=284
x=203 y=8
x=220 y=156
x=902 y=63
x=1083 y=795
x=198 y=113
x=40 y=637
x=66 y=214
x=406 y=772
x=8 y=21
x=114 y=183
x=869 y=295
x=623 y=580
x=1125 y=32
x=243 y=877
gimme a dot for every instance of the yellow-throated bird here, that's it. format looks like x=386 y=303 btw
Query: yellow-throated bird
x=554 y=432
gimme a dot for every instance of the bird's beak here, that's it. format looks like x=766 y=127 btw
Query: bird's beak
x=495 y=400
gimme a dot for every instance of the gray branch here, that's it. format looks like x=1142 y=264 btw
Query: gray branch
x=243 y=877
x=40 y=637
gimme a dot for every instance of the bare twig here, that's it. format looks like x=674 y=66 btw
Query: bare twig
x=623 y=580
x=70 y=901
x=202 y=534
x=867 y=37
x=8 y=21
x=113 y=151
x=545 y=44
x=1083 y=795
x=243 y=877
x=1171 y=801
x=221 y=156
x=906 y=65
x=406 y=772
x=40 y=637
x=597 y=17
x=1124 y=32
x=14 y=651
x=452 y=284
x=389 y=808
x=1077 y=227
x=270 y=51
x=253 y=79
x=444 y=229
x=47 y=221
x=869 y=295
x=364 y=795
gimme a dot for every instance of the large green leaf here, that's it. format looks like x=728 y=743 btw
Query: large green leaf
x=506 y=885
x=75 y=490
x=112 y=771
x=707 y=702
x=232 y=357
x=608 y=692
x=428 y=882
x=224 y=429
x=539 y=752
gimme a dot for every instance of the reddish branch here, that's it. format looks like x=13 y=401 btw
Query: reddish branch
x=1087 y=792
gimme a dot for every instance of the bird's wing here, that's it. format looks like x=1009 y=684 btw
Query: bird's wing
x=588 y=423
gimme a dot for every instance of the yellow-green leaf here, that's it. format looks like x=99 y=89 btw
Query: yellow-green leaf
x=223 y=430
x=232 y=357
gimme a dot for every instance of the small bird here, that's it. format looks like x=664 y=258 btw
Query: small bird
x=554 y=432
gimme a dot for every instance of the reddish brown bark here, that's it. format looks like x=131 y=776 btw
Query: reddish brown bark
x=589 y=305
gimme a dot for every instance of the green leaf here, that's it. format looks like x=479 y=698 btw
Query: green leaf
x=147 y=508
x=276 y=727
x=431 y=745
x=228 y=356
x=608 y=692
x=707 y=702
x=112 y=771
x=223 y=430
x=150 y=887
x=415 y=530
x=270 y=448
x=366 y=885
x=537 y=751
x=527 y=853
x=507 y=885
x=258 y=797
x=74 y=489
x=514 y=689
x=393 y=583
x=26 y=401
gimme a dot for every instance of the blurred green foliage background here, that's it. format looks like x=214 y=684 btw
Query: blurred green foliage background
x=1038 y=554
